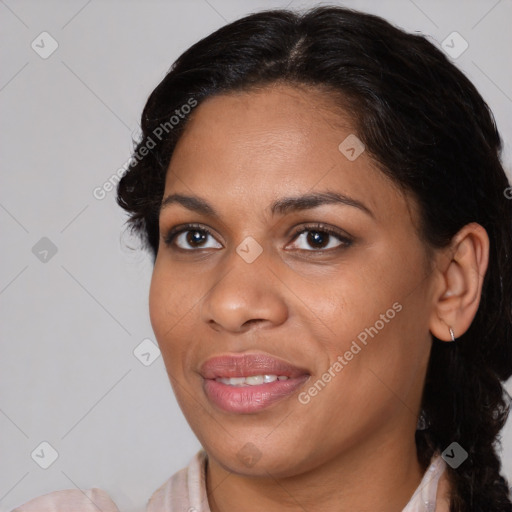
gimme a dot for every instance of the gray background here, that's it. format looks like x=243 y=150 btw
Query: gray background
x=71 y=322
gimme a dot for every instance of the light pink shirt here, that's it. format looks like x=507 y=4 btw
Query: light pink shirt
x=185 y=491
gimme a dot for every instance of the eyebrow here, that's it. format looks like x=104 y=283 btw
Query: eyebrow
x=280 y=207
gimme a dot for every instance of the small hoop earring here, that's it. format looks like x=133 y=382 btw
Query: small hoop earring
x=451 y=333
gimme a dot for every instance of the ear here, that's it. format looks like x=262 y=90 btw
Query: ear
x=461 y=268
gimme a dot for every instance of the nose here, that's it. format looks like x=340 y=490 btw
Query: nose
x=247 y=296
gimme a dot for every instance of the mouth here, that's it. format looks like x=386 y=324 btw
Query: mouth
x=248 y=383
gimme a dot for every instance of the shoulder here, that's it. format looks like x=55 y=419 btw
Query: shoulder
x=185 y=490
x=75 y=500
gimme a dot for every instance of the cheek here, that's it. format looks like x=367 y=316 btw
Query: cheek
x=165 y=307
x=346 y=303
x=168 y=297
x=157 y=304
x=163 y=322
x=377 y=311
x=172 y=307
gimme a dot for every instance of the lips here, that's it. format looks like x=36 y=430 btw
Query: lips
x=254 y=398
x=247 y=365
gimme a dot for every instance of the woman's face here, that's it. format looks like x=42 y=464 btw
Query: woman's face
x=332 y=293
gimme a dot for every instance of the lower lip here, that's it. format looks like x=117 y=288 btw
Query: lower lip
x=247 y=399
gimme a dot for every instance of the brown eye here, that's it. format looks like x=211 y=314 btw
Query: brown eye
x=195 y=238
x=188 y=238
x=317 y=239
x=320 y=239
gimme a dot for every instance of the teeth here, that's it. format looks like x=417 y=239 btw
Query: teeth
x=237 y=381
x=253 y=380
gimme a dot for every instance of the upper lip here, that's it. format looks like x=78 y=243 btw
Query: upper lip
x=246 y=365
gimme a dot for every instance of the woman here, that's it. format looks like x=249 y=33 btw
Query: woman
x=325 y=204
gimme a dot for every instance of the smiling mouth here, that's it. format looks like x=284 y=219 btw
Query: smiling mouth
x=249 y=382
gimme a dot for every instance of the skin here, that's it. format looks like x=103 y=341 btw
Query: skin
x=352 y=446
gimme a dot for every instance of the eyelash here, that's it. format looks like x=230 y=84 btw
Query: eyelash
x=316 y=228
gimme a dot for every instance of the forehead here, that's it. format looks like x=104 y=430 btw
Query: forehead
x=253 y=147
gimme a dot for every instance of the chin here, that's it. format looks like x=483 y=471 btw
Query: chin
x=246 y=456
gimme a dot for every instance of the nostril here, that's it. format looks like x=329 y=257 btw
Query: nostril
x=252 y=321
